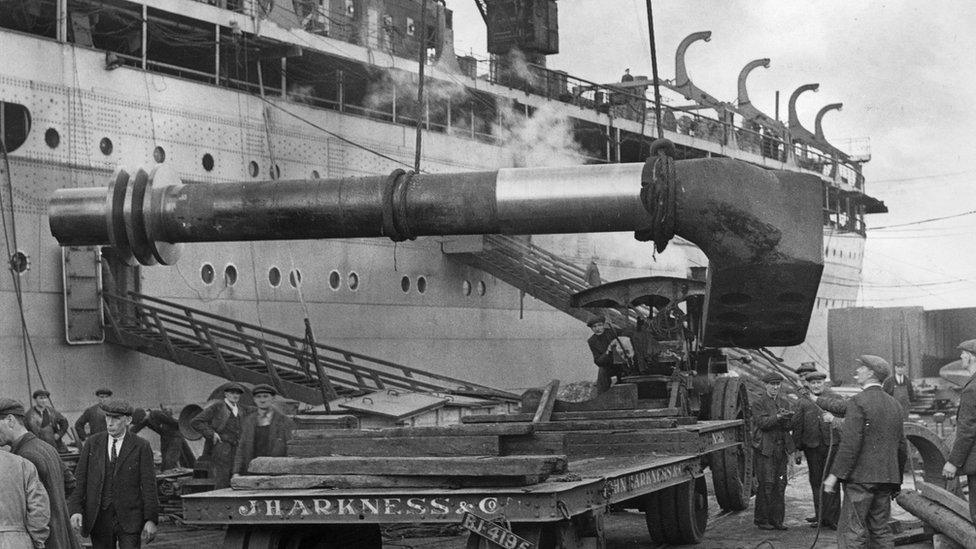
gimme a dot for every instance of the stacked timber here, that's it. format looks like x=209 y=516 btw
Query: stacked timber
x=944 y=511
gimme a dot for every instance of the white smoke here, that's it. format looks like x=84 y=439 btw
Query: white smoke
x=544 y=139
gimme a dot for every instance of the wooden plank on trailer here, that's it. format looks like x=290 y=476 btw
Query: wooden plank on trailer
x=606 y=425
x=456 y=445
x=443 y=466
x=474 y=429
x=534 y=444
x=302 y=482
x=392 y=404
x=315 y=421
x=570 y=416
x=548 y=399
x=622 y=396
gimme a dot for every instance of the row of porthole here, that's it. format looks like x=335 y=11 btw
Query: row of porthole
x=53 y=139
x=850 y=254
x=207 y=274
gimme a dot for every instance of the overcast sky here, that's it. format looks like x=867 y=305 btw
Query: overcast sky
x=904 y=71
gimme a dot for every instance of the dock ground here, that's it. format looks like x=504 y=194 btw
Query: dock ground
x=624 y=530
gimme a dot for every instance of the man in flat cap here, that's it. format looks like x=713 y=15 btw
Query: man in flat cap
x=264 y=432
x=962 y=457
x=53 y=473
x=173 y=447
x=115 y=500
x=817 y=437
x=772 y=414
x=870 y=459
x=24 y=508
x=610 y=350
x=900 y=387
x=45 y=422
x=93 y=417
x=220 y=424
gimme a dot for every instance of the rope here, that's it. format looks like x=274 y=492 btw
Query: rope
x=657 y=85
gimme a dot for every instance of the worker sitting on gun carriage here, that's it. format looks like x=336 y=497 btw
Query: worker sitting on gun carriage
x=772 y=415
x=173 y=447
x=612 y=351
x=817 y=435
x=264 y=432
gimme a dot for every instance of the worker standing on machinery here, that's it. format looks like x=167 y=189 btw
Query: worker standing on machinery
x=817 y=437
x=771 y=418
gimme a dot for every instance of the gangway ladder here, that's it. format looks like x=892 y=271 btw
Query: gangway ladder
x=81 y=271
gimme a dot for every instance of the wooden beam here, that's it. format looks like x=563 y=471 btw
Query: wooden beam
x=456 y=445
x=544 y=410
x=945 y=498
x=564 y=416
x=430 y=431
x=411 y=466
x=301 y=482
x=315 y=421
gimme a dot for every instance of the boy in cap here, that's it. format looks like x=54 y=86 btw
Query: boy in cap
x=45 y=422
x=608 y=350
x=220 y=424
x=771 y=417
x=264 y=432
x=869 y=461
x=815 y=435
x=93 y=418
x=962 y=458
x=53 y=473
x=115 y=501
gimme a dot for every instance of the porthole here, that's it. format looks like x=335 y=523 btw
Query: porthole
x=208 y=162
x=230 y=275
x=295 y=278
x=334 y=280
x=16 y=125
x=274 y=171
x=105 y=145
x=422 y=284
x=405 y=284
x=315 y=174
x=252 y=168
x=207 y=273
x=466 y=287
x=19 y=262
x=52 y=138
x=274 y=277
x=353 y=281
x=482 y=289
x=159 y=155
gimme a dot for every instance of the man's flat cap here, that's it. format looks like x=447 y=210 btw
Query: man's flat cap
x=772 y=377
x=813 y=376
x=263 y=388
x=968 y=345
x=10 y=406
x=597 y=319
x=40 y=393
x=117 y=408
x=102 y=391
x=876 y=364
x=234 y=387
x=805 y=369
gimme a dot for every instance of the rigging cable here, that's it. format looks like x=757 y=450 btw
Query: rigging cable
x=422 y=110
x=919 y=222
x=657 y=84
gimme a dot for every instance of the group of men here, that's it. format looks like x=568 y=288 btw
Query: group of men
x=111 y=496
x=867 y=453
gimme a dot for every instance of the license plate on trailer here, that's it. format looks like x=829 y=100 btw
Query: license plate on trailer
x=494 y=533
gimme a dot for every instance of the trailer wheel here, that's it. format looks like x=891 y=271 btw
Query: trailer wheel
x=678 y=515
x=367 y=536
x=732 y=468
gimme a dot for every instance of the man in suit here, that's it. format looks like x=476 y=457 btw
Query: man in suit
x=962 y=458
x=115 y=500
x=93 y=417
x=900 y=387
x=771 y=417
x=264 y=432
x=54 y=474
x=870 y=459
x=45 y=422
x=815 y=435
x=220 y=424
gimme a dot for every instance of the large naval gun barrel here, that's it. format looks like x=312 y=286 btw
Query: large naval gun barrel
x=761 y=229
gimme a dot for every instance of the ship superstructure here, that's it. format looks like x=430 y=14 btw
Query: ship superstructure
x=272 y=91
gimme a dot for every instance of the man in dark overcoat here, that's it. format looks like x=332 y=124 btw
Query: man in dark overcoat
x=818 y=439
x=220 y=424
x=93 y=418
x=870 y=459
x=54 y=474
x=900 y=386
x=771 y=417
x=962 y=457
x=115 y=500
x=172 y=445
x=264 y=432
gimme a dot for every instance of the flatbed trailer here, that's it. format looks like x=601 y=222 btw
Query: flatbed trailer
x=563 y=511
